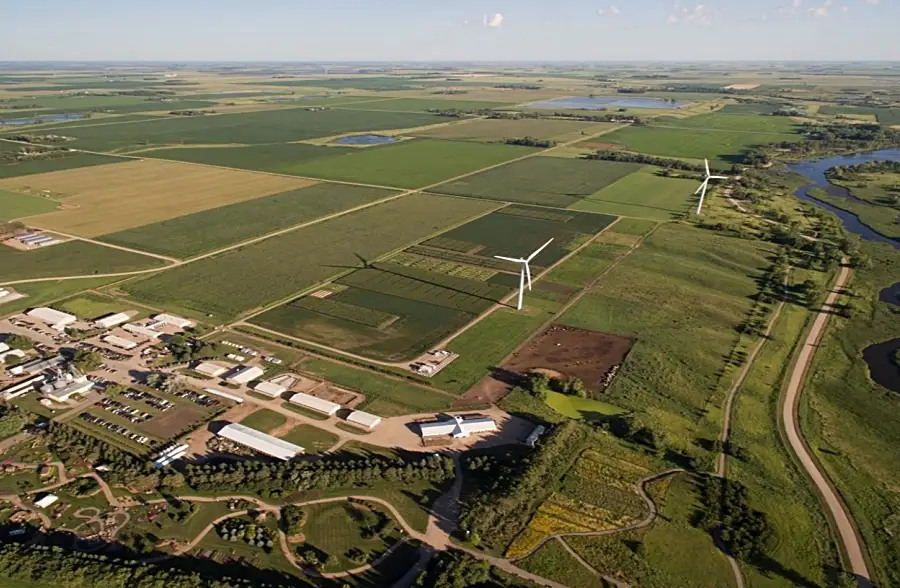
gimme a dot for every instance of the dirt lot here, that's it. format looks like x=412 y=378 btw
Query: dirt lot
x=172 y=422
x=338 y=395
x=567 y=351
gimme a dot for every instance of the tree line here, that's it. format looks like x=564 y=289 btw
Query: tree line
x=626 y=157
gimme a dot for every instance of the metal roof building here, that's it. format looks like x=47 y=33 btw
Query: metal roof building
x=171 y=319
x=37 y=365
x=56 y=319
x=141 y=330
x=317 y=404
x=259 y=441
x=62 y=393
x=46 y=500
x=243 y=374
x=111 y=320
x=120 y=342
x=270 y=389
x=364 y=419
x=215 y=392
x=208 y=368
x=458 y=427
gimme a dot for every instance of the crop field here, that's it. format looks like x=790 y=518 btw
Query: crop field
x=264 y=420
x=240 y=280
x=437 y=258
x=633 y=226
x=373 y=84
x=681 y=295
x=94 y=119
x=722 y=148
x=749 y=108
x=590 y=262
x=425 y=104
x=758 y=123
x=499 y=129
x=442 y=266
x=71 y=258
x=597 y=494
x=513 y=231
x=384 y=396
x=643 y=194
x=14 y=205
x=885 y=116
x=409 y=164
x=100 y=200
x=311 y=439
x=10 y=169
x=548 y=181
x=280 y=158
x=248 y=128
x=118 y=104
x=213 y=229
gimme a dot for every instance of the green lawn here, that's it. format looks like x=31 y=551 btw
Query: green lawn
x=72 y=258
x=311 y=439
x=643 y=194
x=548 y=181
x=209 y=230
x=580 y=408
x=553 y=561
x=409 y=164
x=334 y=528
x=90 y=306
x=13 y=205
x=40 y=293
x=264 y=420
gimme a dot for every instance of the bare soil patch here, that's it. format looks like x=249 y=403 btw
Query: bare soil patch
x=567 y=351
x=172 y=422
x=342 y=396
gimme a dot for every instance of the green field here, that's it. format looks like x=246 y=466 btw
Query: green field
x=118 y=104
x=264 y=420
x=749 y=108
x=633 y=226
x=332 y=529
x=240 y=280
x=96 y=119
x=643 y=194
x=14 y=205
x=311 y=439
x=758 y=123
x=885 y=116
x=268 y=126
x=373 y=84
x=72 y=258
x=577 y=408
x=553 y=561
x=722 y=148
x=425 y=104
x=384 y=396
x=40 y=166
x=499 y=129
x=580 y=269
x=40 y=293
x=89 y=306
x=209 y=230
x=548 y=181
x=280 y=158
x=682 y=295
x=409 y=164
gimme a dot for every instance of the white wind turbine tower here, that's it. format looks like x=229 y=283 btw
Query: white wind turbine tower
x=705 y=185
x=525 y=271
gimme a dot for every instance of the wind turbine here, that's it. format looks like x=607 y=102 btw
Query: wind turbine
x=525 y=271
x=705 y=185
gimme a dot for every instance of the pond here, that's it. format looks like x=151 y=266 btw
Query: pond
x=43 y=119
x=815 y=169
x=891 y=294
x=606 y=102
x=882 y=363
x=365 y=140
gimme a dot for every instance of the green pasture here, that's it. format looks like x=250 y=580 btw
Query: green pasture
x=425 y=104
x=758 y=123
x=266 y=126
x=311 y=439
x=71 y=258
x=586 y=265
x=885 y=116
x=14 y=205
x=548 y=181
x=643 y=194
x=50 y=105
x=552 y=560
x=333 y=528
x=91 y=120
x=209 y=230
x=499 y=129
x=722 y=148
x=409 y=164
x=280 y=158
x=264 y=420
x=633 y=226
x=750 y=108
x=226 y=285
x=39 y=166
x=580 y=408
x=41 y=293
x=89 y=306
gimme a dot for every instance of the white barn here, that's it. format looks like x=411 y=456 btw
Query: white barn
x=53 y=318
x=111 y=320
x=259 y=441
x=270 y=389
x=457 y=427
x=208 y=368
x=364 y=419
x=313 y=403
x=120 y=342
x=243 y=374
x=172 y=320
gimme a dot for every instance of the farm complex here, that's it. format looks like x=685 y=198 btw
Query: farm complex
x=407 y=324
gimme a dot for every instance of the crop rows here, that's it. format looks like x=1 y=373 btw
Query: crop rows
x=442 y=266
x=455 y=256
x=560 y=217
x=450 y=244
x=348 y=312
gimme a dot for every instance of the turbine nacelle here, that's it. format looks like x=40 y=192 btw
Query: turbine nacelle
x=525 y=269
x=703 y=187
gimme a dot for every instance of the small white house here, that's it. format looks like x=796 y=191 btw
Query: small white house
x=364 y=419
x=111 y=320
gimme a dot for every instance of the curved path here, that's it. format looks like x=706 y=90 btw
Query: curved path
x=852 y=544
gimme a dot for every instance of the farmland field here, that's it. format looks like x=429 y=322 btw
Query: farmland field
x=499 y=129
x=90 y=306
x=722 y=148
x=280 y=158
x=240 y=280
x=548 y=181
x=249 y=128
x=13 y=205
x=734 y=122
x=264 y=420
x=586 y=265
x=424 y=104
x=885 y=116
x=373 y=84
x=643 y=194
x=41 y=293
x=71 y=258
x=750 y=108
x=209 y=230
x=409 y=164
x=10 y=169
x=107 y=199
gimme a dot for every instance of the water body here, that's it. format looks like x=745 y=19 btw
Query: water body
x=365 y=140
x=606 y=102
x=815 y=169
x=43 y=119
x=891 y=294
x=883 y=367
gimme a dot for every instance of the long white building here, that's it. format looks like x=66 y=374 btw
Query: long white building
x=270 y=389
x=244 y=374
x=259 y=441
x=111 y=320
x=364 y=419
x=120 y=342
x=53 y=318
x=457 y=427
x=313 y=403
x=172 y=320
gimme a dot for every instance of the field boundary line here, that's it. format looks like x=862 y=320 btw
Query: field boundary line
x=174 y=260
x=719 y=130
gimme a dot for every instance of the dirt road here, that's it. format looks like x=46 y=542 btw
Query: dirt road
x=852 y=545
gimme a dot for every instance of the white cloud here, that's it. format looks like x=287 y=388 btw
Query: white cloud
x=696 y=14
x=494 y=21
x=611 y=10
x=872 y=2
x=845 y=9
x=820 y=11
x=615 y=9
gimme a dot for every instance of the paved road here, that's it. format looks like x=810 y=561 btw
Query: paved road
x=852 y=544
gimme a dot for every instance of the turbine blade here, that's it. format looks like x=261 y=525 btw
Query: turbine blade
x=512 y=259
x=706 y=161
x=541 y=248
x=718 y=177
x=701 y=186
x=521 y=287
x=702 y=196
x=527 y=274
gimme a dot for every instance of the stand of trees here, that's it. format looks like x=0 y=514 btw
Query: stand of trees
x=725 y=509
x=34 y=152
x=626 y=157
x=840 y=137
x=530 y=142
x=538 y=385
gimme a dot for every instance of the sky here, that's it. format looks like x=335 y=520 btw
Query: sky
x=456 y=30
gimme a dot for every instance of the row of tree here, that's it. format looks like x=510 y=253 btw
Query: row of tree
x=626 y=157
x=530 y=142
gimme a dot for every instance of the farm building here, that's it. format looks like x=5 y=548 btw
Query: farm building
x=3 y=347
x=10 y=353
x=22 y=387
x=216 y=392
x=111 y=320
x=55 y=319
x=172 y=320
x=457 y=427
x=259 y=441
x=364 y=419
x=167 y=456
x=313 y=403
x=46 y=500
x=208 y=368
x=243 y=374
x=120 y=342
x=37 y=365
x=141 y=330
x=63 y=389
x=270 y=389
